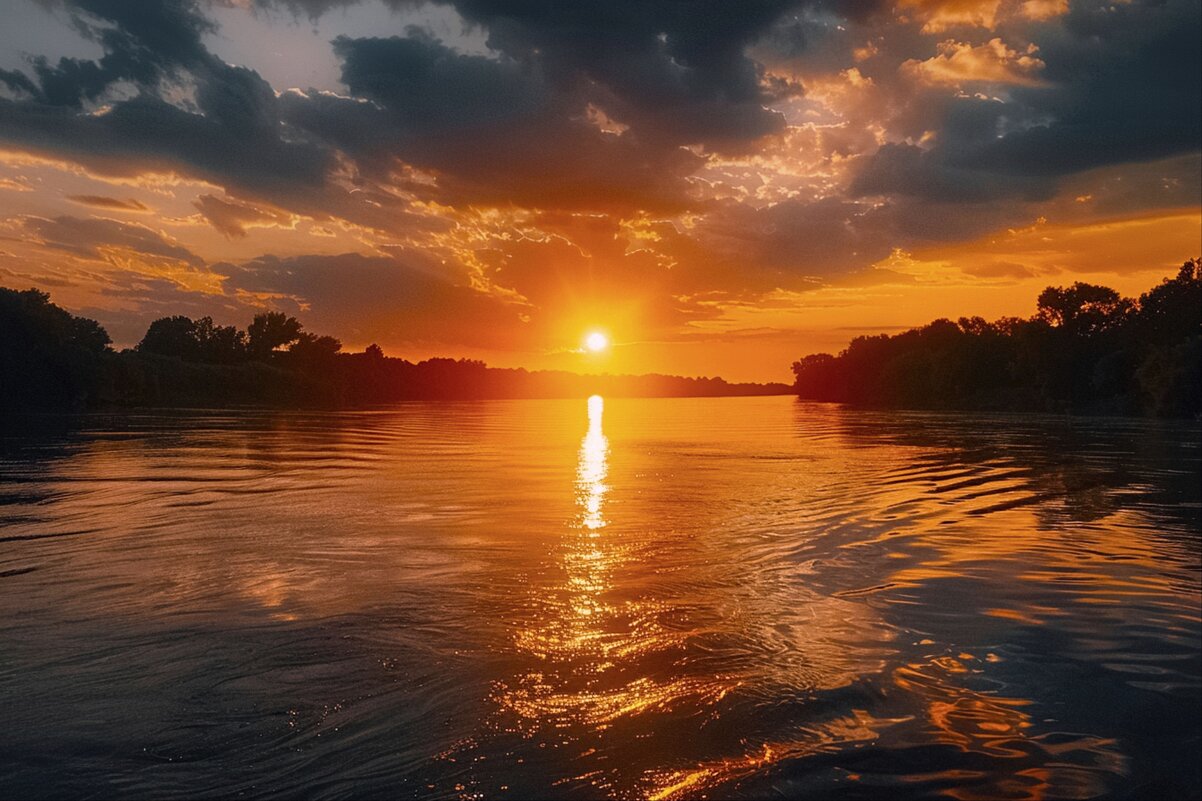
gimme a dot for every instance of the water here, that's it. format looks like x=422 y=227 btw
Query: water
x=661 y=599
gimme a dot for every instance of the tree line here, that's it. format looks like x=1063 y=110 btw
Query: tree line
x=1086 y=350
x=53 y=360
x=266 y=336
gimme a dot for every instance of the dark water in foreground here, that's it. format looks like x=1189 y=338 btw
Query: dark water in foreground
x=654 y=599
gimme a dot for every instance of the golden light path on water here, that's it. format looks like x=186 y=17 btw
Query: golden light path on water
x=603 y=649
x=593 y=466
x=590 y=635
x=597 y=643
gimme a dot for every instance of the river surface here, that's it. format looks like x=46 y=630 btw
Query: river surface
x=619 y=598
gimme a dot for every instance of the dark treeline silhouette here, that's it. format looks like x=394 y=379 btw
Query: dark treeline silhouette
x=1086 y=350
x=50 y=359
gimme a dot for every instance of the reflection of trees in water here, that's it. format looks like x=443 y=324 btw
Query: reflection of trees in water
x=1076 y=470
x=30 y=445
x=1036 y=555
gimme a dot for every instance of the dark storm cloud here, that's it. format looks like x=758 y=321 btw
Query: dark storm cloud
x=673 y=70
x=89 y=237
x=676 y=71
x=495 y=130
x=432 y=90
x=1126 y=81
x=596 y=106
x=901 y=169
x=819 y=37
x=227 y=146
x=1119 y=83
x=1171 y=183
x=917 y=220
x=315 y=9
x=225 y=128
x=814 y=239
x=230 y=133
x=143 y=42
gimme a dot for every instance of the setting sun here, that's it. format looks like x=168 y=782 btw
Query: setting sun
x=596 y=342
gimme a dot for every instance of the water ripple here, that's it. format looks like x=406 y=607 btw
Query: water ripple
x=654 y=599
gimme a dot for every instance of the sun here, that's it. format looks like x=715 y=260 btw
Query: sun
x=596 y=342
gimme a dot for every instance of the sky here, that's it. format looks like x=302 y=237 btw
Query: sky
x=719 y=187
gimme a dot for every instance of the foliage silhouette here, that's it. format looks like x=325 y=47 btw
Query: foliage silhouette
x=270 y=331
x=48 y=357
x=1086 y=350
x=51 y=359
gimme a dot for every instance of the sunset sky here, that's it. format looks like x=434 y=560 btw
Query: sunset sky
x=719 y=187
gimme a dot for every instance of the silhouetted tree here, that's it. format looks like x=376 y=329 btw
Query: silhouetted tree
x=1172 y=311
x=48 y=357
x=271 y=331
x=817 y=377
x=1087 y=348
x=1170 y=321
x=1171 y=378
x=219 y=344
x=1082 y=309
x=171 y=336
x=195 y=340
x=312 y=347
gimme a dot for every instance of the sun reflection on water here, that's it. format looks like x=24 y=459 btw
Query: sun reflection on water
x=594 y=467
x=596 y=640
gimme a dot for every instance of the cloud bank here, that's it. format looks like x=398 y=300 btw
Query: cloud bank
x=670 y=163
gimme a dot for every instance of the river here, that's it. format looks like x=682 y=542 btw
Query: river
x=611 y=598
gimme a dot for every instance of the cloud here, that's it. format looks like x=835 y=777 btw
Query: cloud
x=909 y=170
x=1115 y=86
x=940 y=15
x=603 y=106
x=1043 y=9
x=671 y=159
x=1114 y=246
x=676 y=72
x=383 y=299
x=143 y=43
x=813 y=240
x=233 y=140
x=232 y=218
x=1122 y=84
x=491 y=130
x=15 y=185
x=92 y=238
x=999 y=269
x=190 y=112
x=111 y=203
x=993 y=62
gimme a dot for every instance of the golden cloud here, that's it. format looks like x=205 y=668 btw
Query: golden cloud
x=939 y=15
x=992 y=62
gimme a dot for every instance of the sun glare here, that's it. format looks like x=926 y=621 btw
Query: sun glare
x=596 y=342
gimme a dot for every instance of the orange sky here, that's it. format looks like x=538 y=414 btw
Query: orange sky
x=720 y=191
